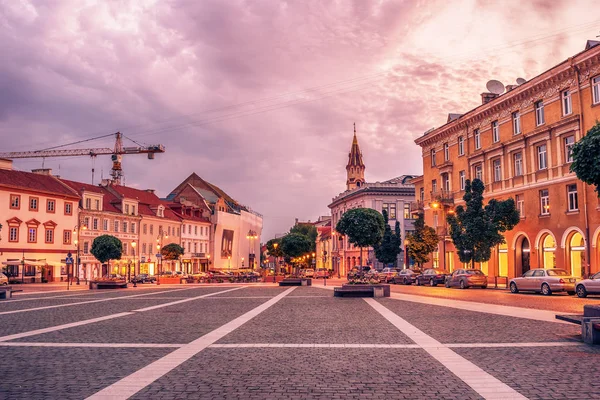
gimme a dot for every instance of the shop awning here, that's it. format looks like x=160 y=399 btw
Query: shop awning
x=34 y=263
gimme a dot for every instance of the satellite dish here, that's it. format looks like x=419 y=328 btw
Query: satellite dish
x=521 y=81
x=495 y=87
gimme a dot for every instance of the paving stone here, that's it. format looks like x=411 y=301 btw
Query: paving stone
x=451 y=325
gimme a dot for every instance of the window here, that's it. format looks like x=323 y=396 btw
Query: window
x=433 y=157
x=435 y=220
x=66 y=236
x=461 y=146
x=145 y=229
x=144 y=248
x=88 y=204
x=479 y=172
x=86 y=247
x=544 y=202
x=497 y=170
x=13 y=234
x=126 y=208
x=189 y=229
x=68 y=208
x=33 y=203
x=124 y=248
x=151 y=229
x=516 y=117
x=105 y=225
x=446 y=152
x=539 y=113
x=520 y=202
x=477 y=136
x=49 y=235
x=518 y=159
x=422 y=194
x=132 y=210
x=406 y=210
x=32 y=236
x=542 y=157
x=596 y=89
x=116 y=226
x=86 y=222
x=392 y=214
x=569 y=142
x=195 y=247
x=95 y=224
x=572 y=195
x=51 y=206
x=196 y=230
x=169 y=231
x=446 y=182
x=567 y=106
x=125 y=226
x=133 y=227
x=462 y=179
x=495 y=132
x=433 y=186
x=96 y=204
x=15 y=201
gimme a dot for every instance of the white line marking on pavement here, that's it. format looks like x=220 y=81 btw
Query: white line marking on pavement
x=93 y=320
x=392 y=346
x=84 y=302
x=135 y=382
x=510 y=311
x=480 y=381
x=185 y=300
x=110 y=345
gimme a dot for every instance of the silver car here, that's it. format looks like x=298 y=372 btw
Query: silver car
x=544 y=281
x=3 y=279
x=587 y=286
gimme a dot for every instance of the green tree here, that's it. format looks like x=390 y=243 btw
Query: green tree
x=310 y=231
x=586 y=158
x=172 y=251
x=363 y=226
x=275 y=251
x=422 y=241
x=387 y=251
x=477 y=229
x=106 y=248
x=295 y=245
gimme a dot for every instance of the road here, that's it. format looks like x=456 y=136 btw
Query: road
x=268 y=342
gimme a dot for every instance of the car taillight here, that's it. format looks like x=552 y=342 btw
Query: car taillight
x=438 y=276
x=561 y=281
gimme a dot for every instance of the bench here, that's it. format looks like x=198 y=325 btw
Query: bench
x=360 y=290
x=7 y=291
x=108 y=285
x=296 y=282
x=589 y=321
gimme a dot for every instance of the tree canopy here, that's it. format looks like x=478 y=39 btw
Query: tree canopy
x=106 y=248
x=388 y=249
x=295 y=245
x=275 y=251
x=308 y=230
x=586 y=158
x=475 y=230
x=363 y=226
x=172 y=251
x=422 y=241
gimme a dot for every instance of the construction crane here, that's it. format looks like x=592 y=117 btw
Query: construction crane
x=116 y=154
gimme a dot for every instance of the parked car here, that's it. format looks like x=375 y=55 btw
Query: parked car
x=466 y=278
x=301 y=273
x=309 y=273
x=587 y=286
x=216 y=274
x=407 y=276
x=3 y=279
x=432 y=276
x=387 y=275
x=113 y=277
x=322 y=273
x=179 y=274
x=544 y=281
x=143 y=278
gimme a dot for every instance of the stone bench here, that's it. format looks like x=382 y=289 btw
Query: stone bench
x=296 y=282
x=108 y=285
x=7 y=291
x=360 y=290
x=589 y=321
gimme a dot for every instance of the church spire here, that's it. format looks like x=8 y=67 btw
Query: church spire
x=355 y=169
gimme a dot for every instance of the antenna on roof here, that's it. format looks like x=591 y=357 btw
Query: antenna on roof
x=520 y=81
x=495 y=86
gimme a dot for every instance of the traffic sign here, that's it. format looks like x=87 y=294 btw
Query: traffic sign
x=69 y=260
x=158 y=255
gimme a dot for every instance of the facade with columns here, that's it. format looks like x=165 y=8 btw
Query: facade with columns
x=394 y=195
x=519 y=143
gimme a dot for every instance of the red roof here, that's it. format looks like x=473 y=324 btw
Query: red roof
x=47 y=184
x=148 y=202
x=77 y=186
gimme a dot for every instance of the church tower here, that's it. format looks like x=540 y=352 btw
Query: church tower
x=355 y=169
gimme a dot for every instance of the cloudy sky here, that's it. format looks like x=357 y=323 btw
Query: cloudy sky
x=259 y=97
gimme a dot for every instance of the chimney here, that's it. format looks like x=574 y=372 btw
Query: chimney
x=486 y=97
x=510 y=87
x=42 y=171
x=150 y=191
x=5 y=163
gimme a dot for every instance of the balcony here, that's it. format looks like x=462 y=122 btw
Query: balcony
x=446 y=197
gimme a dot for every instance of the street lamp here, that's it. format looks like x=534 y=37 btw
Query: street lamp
x=158 y=264
x=159 y=245
x=251 y=236
x=229 y=258
x=242 y=262
x=275 y=245
x=76 y=232
x=133 y=244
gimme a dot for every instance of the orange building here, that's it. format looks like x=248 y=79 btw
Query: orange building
x=518 y=143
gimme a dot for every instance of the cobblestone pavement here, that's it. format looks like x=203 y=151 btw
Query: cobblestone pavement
x=267 y=342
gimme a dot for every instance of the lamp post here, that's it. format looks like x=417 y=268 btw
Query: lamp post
x=251 y=255
x=208 y=266
x=159 y=245
x=133 y=244
x=76 y=232
x=275 y=245
x=229 y=258
x=406 y=259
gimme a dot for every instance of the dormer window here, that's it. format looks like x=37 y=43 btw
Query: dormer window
x=160 y=212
